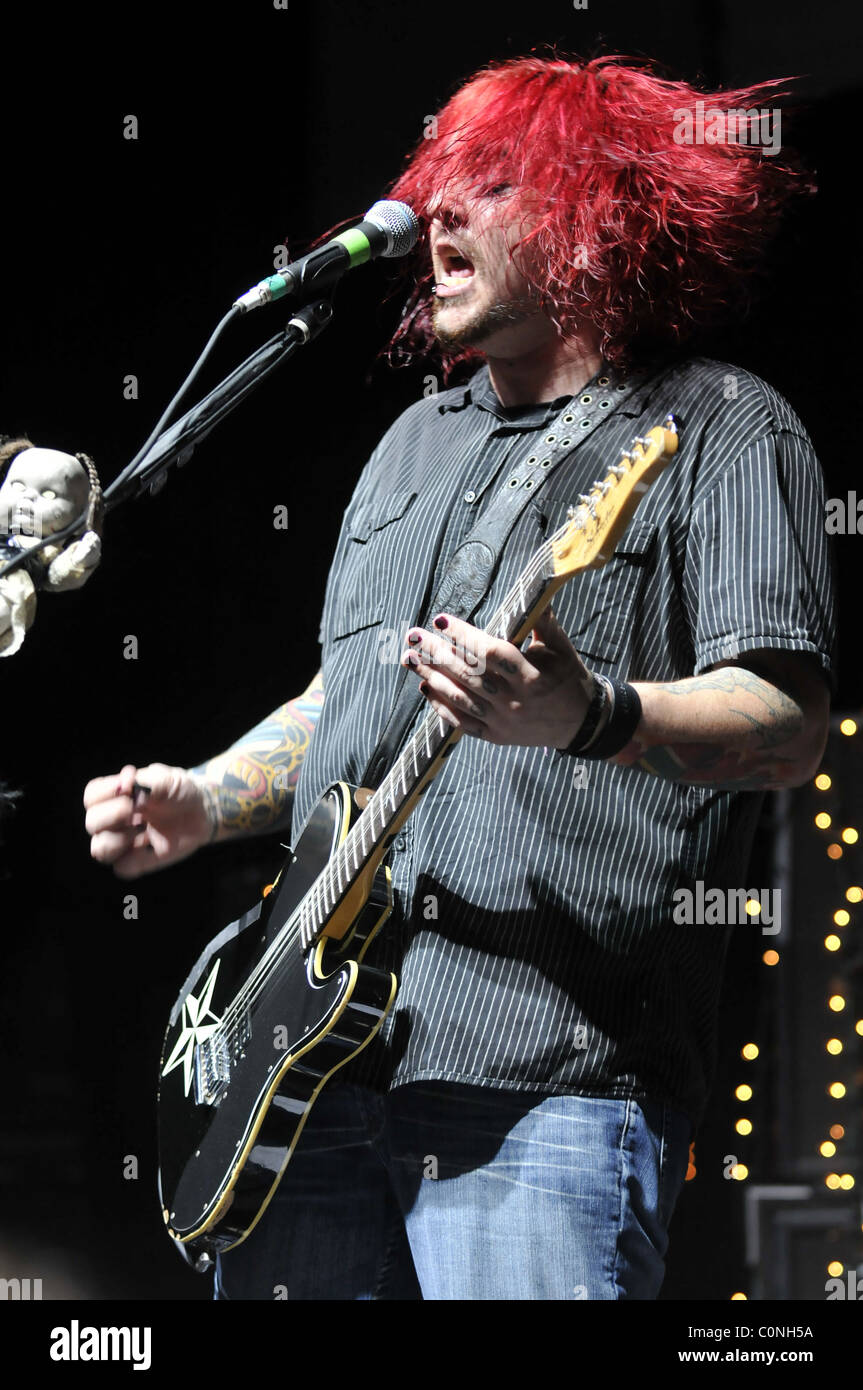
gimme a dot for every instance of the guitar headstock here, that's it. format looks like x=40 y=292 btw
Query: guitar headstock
x=596 y=523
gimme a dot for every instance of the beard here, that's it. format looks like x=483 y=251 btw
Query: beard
x=477 y=327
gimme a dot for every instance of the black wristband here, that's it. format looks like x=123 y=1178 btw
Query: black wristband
x=622 y=723
x=591 y=718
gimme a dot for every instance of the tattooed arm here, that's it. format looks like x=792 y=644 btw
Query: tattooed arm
x=145 y=818
x=757 y=723
x=249 y=789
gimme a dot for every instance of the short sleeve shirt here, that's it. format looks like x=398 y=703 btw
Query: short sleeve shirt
x=533 y=929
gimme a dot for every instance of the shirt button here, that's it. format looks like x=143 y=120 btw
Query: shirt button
x=399 y=842
x=470 y=495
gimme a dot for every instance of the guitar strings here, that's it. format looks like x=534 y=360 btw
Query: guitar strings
x=270 y=967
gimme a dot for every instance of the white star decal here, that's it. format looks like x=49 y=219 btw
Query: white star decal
x=194 y=1030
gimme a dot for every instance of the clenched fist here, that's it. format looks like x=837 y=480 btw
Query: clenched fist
x=139 y=831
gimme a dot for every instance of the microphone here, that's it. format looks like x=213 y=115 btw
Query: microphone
x=388 y=229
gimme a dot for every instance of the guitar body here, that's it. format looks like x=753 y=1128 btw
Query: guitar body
x=242 y=1064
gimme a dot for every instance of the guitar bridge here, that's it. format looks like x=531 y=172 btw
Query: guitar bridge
x=214 y=1057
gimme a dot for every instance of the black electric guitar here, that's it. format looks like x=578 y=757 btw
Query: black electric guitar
x=282 y=999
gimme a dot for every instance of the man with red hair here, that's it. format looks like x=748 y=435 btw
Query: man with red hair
x=520 y=1127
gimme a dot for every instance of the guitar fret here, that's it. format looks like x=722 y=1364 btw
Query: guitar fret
x=318 y=898
x=338 y=887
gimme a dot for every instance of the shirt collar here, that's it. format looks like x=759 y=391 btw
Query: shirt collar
x=480 y=393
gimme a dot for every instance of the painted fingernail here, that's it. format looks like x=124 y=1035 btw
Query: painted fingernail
x=424 y=688
x=414 y=638
x=412 y=660
x=441 y=622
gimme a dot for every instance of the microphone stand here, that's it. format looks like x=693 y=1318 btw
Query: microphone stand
x=177 y=443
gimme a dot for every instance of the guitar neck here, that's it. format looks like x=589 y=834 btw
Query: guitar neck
x=422 y=758
x=587 y=539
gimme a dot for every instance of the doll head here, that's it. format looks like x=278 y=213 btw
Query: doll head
x=43 y=490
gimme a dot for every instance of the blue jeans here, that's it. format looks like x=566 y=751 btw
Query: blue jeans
x=444 y=1191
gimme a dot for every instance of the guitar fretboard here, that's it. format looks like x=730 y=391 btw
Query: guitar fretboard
x=374 y=826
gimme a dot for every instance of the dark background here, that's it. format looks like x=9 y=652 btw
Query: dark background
x=119 y=257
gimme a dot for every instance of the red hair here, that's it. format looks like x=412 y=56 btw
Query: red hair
x=641 y=235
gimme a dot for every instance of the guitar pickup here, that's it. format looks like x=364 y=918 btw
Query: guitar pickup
x=242 y=1033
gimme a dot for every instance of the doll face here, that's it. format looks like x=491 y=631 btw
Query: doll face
x=44 y=490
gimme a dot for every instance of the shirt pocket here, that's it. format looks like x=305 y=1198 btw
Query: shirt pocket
x=598 y=607
x=373 y=540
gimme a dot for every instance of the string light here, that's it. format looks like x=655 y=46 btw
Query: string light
x=739 y=1298
x=836 y=1002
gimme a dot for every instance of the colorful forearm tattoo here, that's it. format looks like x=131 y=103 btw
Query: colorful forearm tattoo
x=250 y=787
x=772 y=721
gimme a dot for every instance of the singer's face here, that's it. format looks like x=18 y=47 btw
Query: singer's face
x=481 y=298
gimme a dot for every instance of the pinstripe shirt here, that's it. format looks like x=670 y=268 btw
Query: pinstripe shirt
x=532 y=930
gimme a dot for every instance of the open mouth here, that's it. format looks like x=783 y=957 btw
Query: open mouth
x=456 y=270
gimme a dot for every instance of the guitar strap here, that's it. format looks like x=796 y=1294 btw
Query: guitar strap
x=472 y=566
